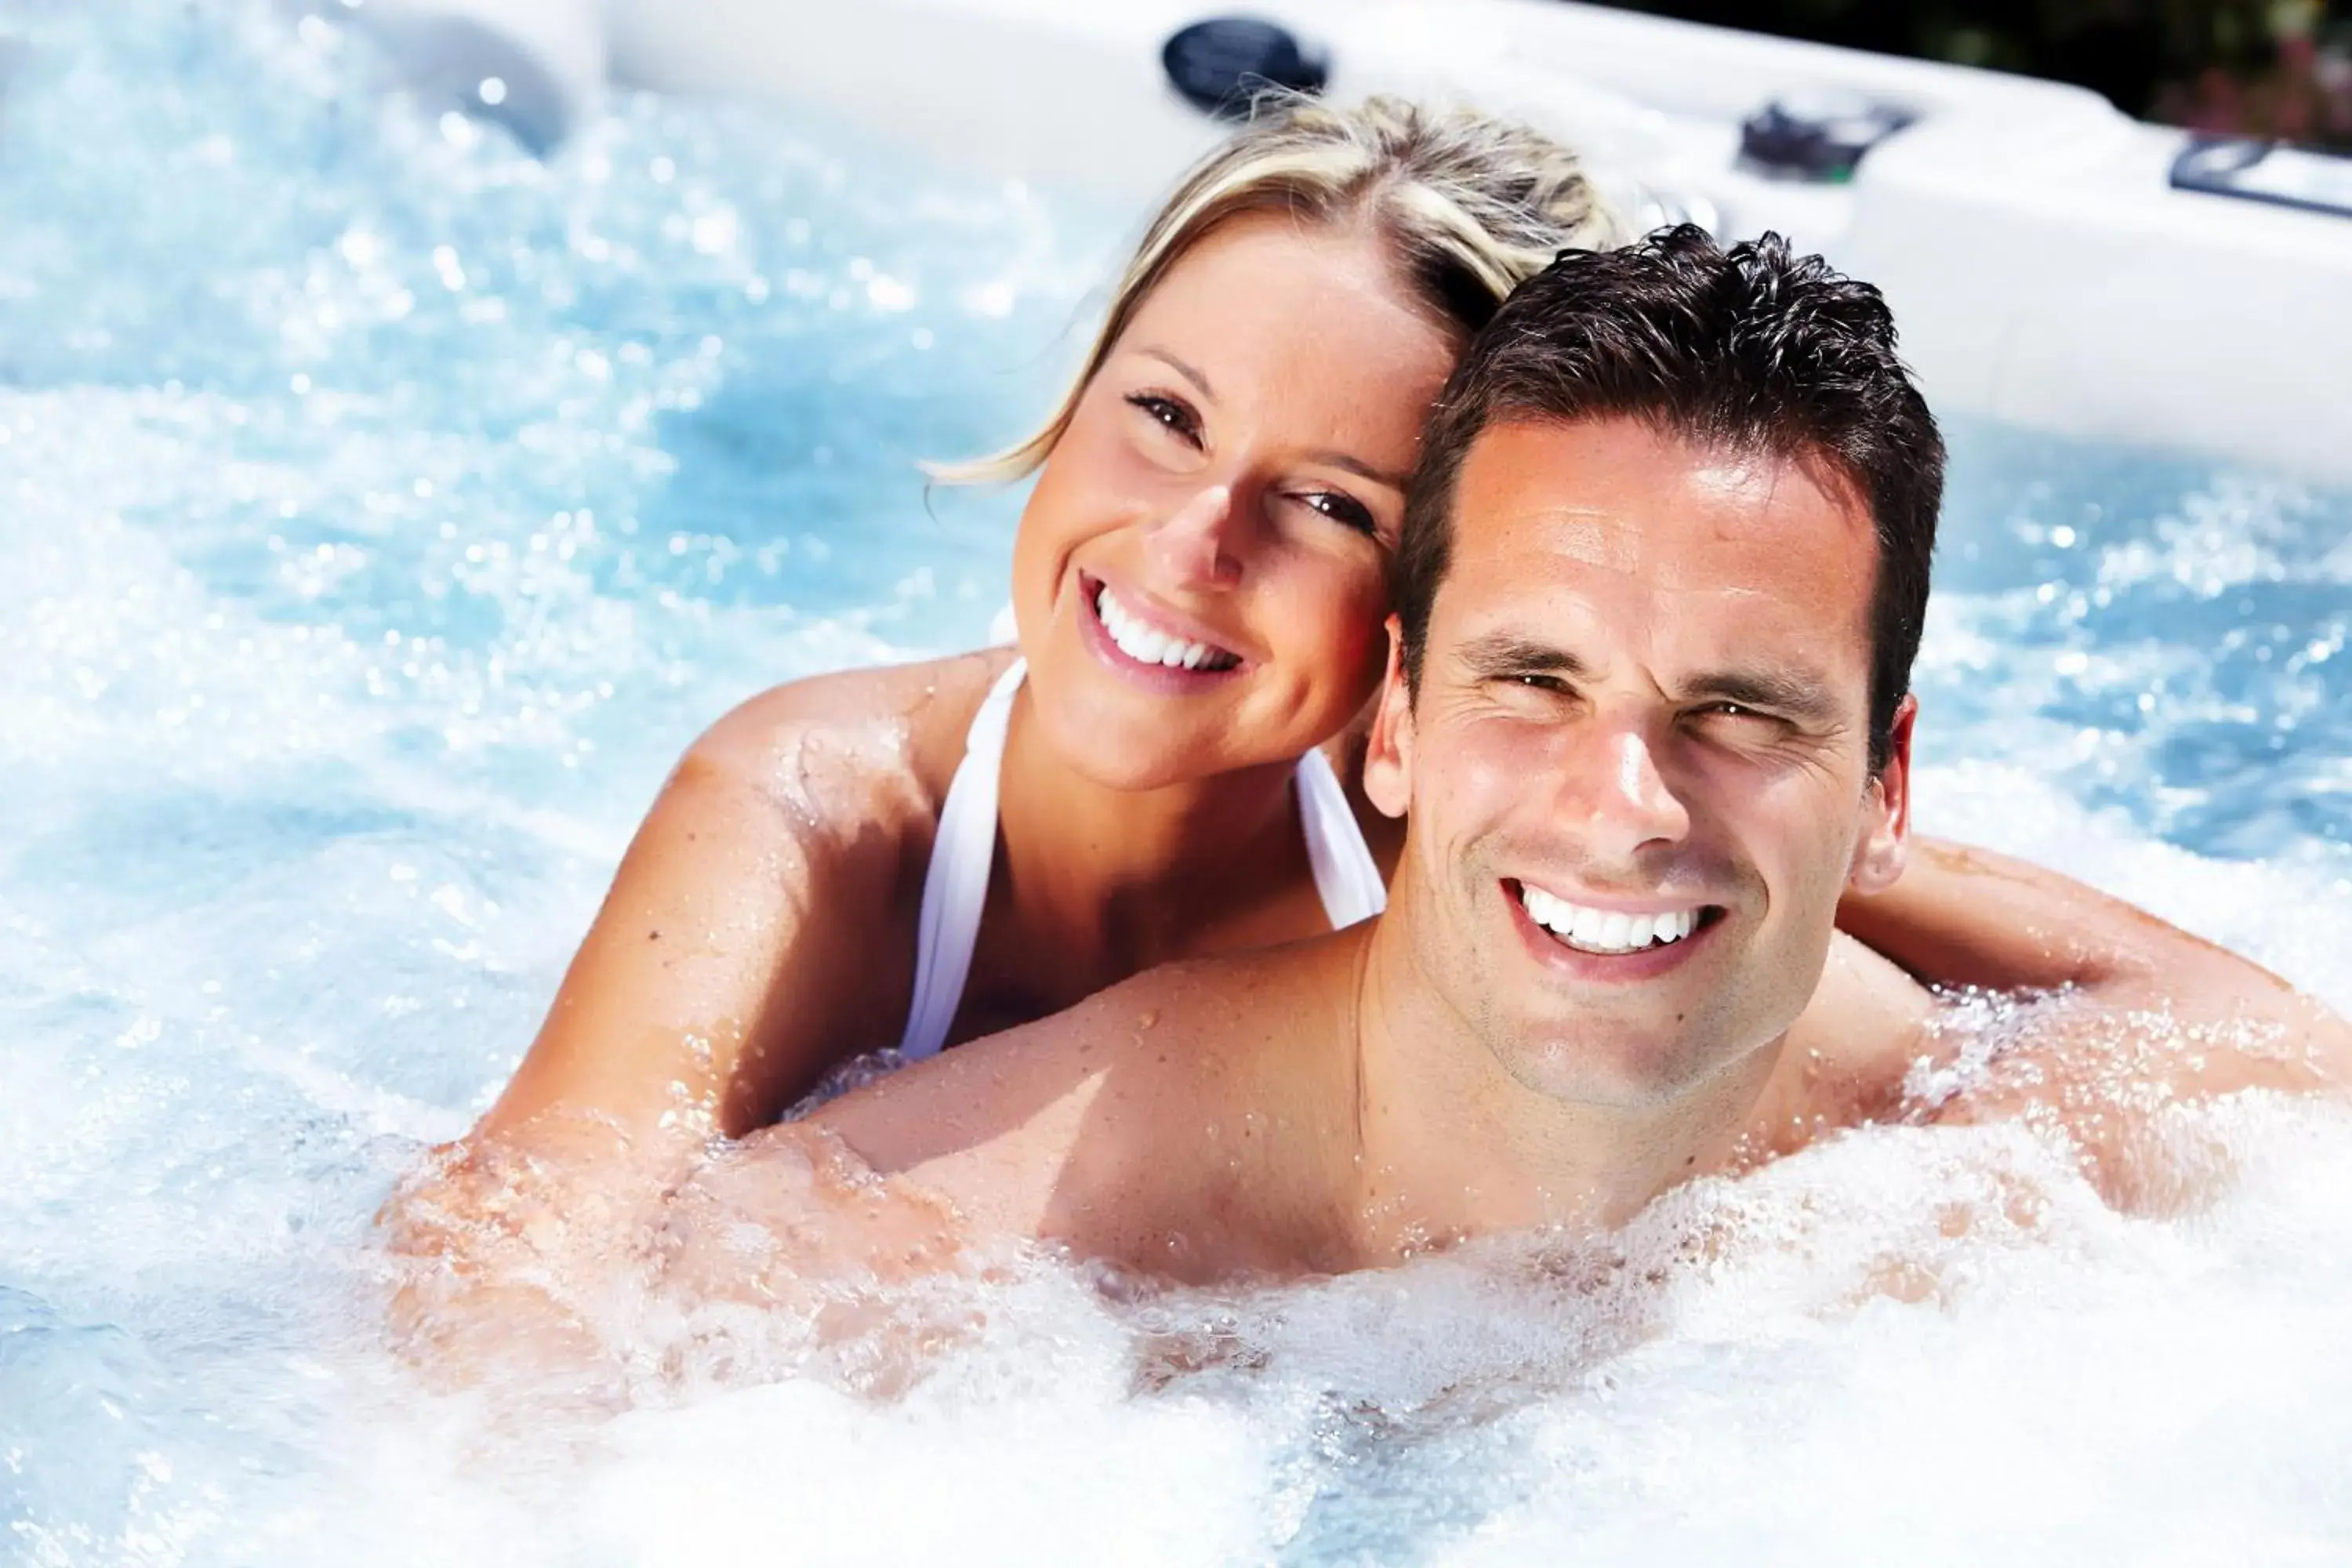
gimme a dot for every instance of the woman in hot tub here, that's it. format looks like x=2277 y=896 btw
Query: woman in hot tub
x=916 y=856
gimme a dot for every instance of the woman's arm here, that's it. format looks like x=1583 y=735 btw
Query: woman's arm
x=744 y=946
x=750 y=940
x=1963 y=916
x=2190 y=1016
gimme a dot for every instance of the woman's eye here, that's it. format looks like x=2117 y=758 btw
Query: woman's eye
x=1343 y=508
x=1171 y=414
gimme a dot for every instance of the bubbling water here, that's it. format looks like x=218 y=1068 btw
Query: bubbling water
x=387 y=508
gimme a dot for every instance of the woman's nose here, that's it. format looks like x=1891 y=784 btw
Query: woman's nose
x=1193 y=546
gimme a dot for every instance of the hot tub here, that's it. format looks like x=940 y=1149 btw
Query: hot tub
x=386 y=507
x=2052 y=263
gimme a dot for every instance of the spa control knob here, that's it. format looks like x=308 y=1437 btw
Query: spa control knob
x=1220 y=64
x=1818 y=137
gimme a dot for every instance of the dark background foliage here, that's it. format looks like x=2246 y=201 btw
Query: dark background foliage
x=2271 y=68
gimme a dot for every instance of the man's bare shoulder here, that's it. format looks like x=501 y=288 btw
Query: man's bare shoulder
x=1138 y=1109
x=1189 y=1033
x=1849 y=1053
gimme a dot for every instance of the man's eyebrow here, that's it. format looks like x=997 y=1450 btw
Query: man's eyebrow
x=1510 y=653
x=1791 y=694
x=1199 y=381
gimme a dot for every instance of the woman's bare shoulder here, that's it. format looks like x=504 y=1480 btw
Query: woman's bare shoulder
x=889 y=736
x=761 y=923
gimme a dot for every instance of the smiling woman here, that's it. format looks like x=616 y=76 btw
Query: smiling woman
x=933 y=852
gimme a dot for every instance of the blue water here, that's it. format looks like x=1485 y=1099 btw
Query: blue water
x=383 y=512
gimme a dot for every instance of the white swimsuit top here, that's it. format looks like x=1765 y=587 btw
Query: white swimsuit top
x=955 y=885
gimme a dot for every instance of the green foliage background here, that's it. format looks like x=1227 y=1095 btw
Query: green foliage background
x=2271 y=67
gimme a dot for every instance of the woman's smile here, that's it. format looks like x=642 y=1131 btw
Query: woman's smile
x=1149 y=644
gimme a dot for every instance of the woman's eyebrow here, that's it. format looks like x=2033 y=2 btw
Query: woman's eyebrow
x=1199 y=381
x=1359 y=468
x=1340 y=460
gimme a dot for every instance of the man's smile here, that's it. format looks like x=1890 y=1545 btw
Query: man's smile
x=1626 y=942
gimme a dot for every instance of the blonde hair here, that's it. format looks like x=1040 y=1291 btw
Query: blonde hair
x=1470 y=204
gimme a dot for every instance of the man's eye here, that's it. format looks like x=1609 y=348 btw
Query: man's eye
x=1169 y=413
x=1738 y=714
x=1539 y=682
x=1344 y=509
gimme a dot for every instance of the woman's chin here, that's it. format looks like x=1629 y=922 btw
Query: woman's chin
x=1127 y=746
x=1125 y=733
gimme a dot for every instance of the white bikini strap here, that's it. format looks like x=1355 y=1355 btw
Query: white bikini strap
x=963 y=853
x=1346 y=875
x=955 y=884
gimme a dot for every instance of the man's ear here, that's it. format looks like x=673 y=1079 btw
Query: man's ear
x=1388 y=757
x=1886 y=844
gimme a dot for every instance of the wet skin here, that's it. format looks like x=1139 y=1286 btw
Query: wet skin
x=1646 y=689
x=1644 y=692
x=1232 y=471
x=1646 y=685
x=1232 y=474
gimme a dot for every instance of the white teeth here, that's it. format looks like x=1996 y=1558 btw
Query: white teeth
x=1149 y=645
x=1603 y=931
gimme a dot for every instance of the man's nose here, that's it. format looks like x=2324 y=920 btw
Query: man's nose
x=1622 y=795
x=1195 y=546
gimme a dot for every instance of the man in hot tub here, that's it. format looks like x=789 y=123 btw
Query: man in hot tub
x=1646 y=717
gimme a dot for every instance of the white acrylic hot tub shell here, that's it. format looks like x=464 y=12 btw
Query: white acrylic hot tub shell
x=2040 y=267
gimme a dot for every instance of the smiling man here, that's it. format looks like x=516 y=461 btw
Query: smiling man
x=1647 y=718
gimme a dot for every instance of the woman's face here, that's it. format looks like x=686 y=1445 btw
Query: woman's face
x=1200 y=577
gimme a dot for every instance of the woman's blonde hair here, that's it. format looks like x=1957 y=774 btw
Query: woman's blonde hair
x=1470 y=204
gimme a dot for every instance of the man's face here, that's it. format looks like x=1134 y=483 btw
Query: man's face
x=1637 y=769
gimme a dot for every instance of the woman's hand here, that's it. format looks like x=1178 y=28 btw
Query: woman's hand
x=522 y=1251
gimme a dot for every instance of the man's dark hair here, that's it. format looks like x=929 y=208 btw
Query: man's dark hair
x=1753 y=350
